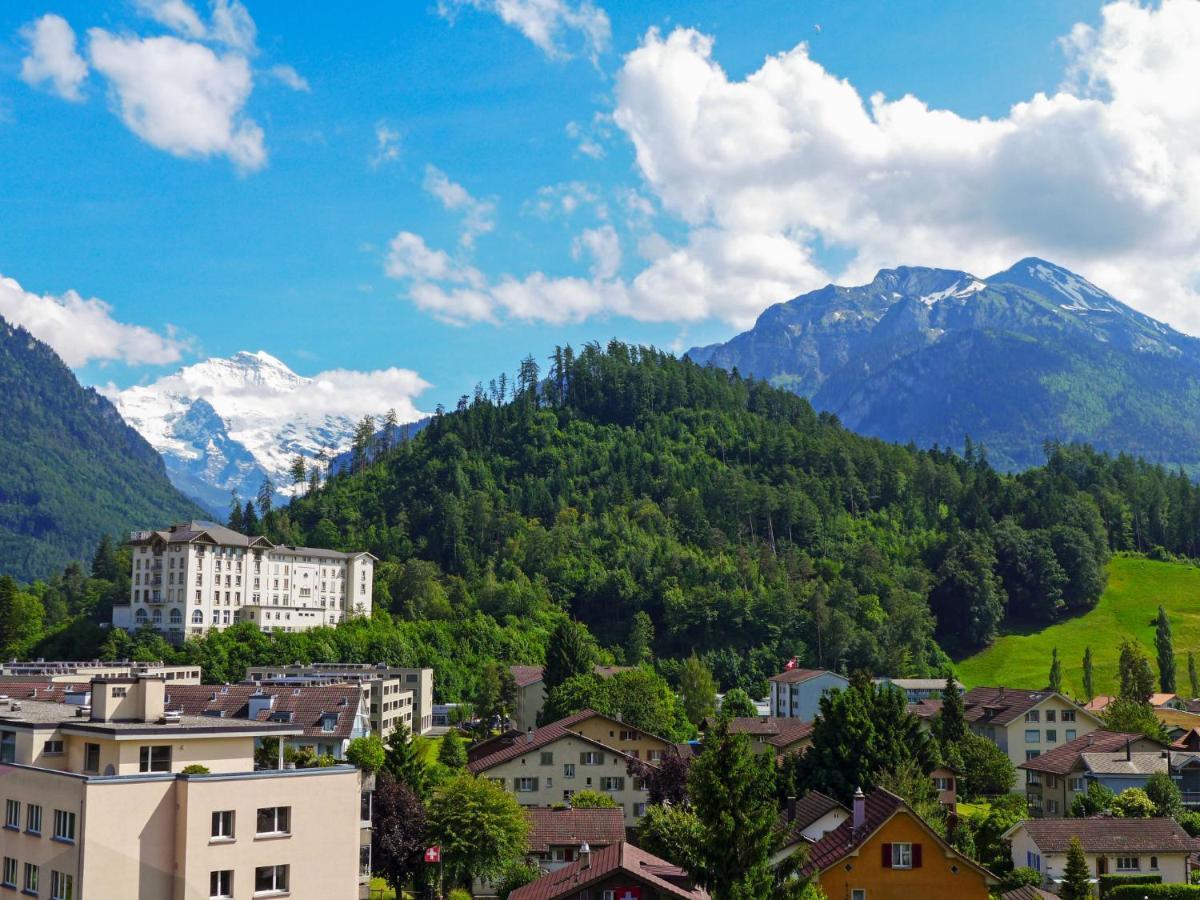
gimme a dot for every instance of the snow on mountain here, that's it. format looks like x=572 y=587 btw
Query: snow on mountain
x=222 y=425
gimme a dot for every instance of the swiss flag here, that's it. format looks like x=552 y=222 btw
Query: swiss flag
x=433 y=854
x=628 y=893
x=791 y=664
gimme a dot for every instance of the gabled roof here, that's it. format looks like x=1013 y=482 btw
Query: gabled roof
x=811 y=807
x=1129 y=765
x=1028 y=892
x=568 y=882
x=778 y=731
x=797 y=676
x=925 y=709
x=1000 y=706
x=1107 y=835
x=541 y=737
x=572 y=827
x=305 y=707
x=526 y=675
x=880 y=806
x=1063 y=759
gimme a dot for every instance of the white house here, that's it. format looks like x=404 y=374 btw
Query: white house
x=796 y=693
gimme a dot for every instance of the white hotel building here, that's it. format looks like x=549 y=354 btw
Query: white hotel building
x=196 y=576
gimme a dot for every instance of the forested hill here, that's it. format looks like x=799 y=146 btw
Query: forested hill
x=743 y=524
x=70 y=468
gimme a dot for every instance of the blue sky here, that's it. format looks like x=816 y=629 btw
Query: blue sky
x=266 y=219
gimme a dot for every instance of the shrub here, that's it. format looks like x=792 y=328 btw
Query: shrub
x=1154 y=892
x=194 y=769
x=367 y=753
x=1108 y=882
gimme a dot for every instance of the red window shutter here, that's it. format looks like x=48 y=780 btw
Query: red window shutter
x=916 y=854
x=887 y=856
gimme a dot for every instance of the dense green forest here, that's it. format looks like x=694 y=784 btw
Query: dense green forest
x=746 y=527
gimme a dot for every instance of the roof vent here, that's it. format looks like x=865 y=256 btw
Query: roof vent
x=212 y=696
x=172 y=718
x=15 y=706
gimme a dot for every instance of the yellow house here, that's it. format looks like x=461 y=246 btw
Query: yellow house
x=885 y=851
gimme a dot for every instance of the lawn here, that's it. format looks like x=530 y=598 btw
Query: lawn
x=1129 y=606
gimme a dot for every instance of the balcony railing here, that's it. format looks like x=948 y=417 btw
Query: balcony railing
x=1191 y=798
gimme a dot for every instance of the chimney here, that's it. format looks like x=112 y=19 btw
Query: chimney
x=1128 y=750
x=529 y=735
x=152 y=693
x=791 y=809
x=585 y=856
x=860 y=809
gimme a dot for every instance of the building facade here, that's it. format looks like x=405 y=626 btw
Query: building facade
x=121 y=798
x=797 y=693
x=70 y=671
x=197 y=576
x=1125 y=846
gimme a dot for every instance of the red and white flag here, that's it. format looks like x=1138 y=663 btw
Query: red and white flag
x=791 y=664
x=433 y=854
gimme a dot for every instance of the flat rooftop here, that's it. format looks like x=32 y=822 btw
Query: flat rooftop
x=40 y=714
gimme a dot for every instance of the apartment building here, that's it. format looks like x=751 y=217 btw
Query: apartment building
x=78 y=671
x=549 y=765
x=121 y=798
x=197 y=576
x=390 y=686
x=797 y=693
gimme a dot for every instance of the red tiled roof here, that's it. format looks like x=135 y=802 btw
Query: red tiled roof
x=1189 y=740
x=568 y=882
x=572 y=827
x=1028 y=892
x=1107 y=835
x=537 y=739
x=42 y=689
x=1063 y=759
x=778 y=730
x=307 y=705
x=526 y=675
x=925 y=709
x=796 y=676
x=1001 y=705
x=809 y=808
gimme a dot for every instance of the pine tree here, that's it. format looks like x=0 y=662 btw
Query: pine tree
x=1137 y=681
x=570 y=651
x=1165 y=648
x=1192 y=677
x=1089 y=684
x=266 y=495
x=250 y=519
x=1055 y=672
x=8 y=610
x=235 y=513
x=403 y=761
x=104 y=561
x=950 y=727
x=452 y=754
x=1075 y=884
x=641 y=639
x=699 y=690
x=298 y=470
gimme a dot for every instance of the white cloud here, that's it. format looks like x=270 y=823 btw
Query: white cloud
x=603 y=245
x=233 y=27
x=83 y=330
x=181 y=96
x=177 y=15
x=230 y=23
x=288 y=76
x=52 y=57
x=387 y=145
x=409 y=257
x=558 y=27
x=477 y=215
x=565 y=198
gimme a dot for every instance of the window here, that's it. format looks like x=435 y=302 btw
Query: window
x=639 y=810
x=33 y=818
x=1128 y=863
x=222 y=827
x=612 y=783
x=53 y=748
x=567 y=795
x=91 y=758
x=12 y=814
x=32 y=877
x=858 y=894
x=1052 y=807
x=525 y=785
x=1033 y=716
x=10 y=872
x=568 y=770
x=629 y=735
x=155 y=759
x=591 y=758
x=547 y=758
x=271 y=879
x=943 y=784
x=1032 y=754
x=8 y=746
x=1154 y=862
x=64 y=826
x=274 y=820
x=62 y=886
x=1075 y=783
x=902 y=856
x=1051 y=735
x=220 y=884
x=1070 y=733
x=1050 y=715
x=1033 y=736
x=1068 y=715
x=1033 y=860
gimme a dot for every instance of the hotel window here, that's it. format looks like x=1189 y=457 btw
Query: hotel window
x=222 y=825
x=33 y=818
x=271 y=879
x=32 y=877
x=62 y=886
x=274 y=820
x=12 y=814
x=154 y=759
x=91 y=758
x=220 y=884
x=10 y=872
x=64 y=825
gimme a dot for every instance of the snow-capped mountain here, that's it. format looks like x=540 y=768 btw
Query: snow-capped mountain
x=222 y=425
x=1035 y=352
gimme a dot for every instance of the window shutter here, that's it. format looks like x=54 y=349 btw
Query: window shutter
x=916 y=856
x=887 y=856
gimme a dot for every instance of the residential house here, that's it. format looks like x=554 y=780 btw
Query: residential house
x=1127 y=846
x=617 y=872
x=531 y=692
x=918 y=689
x=1158 y=701
x=771 y=733
x=121 y=798
x=885 y=851
x=945 y=781
x=1054 y=778
x=547 y=766
x=796 y=693
x=804 y=822
x=555 y=835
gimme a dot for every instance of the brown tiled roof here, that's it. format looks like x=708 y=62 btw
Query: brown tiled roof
x=537 y=739
x=1098 y=703
x=925 y=709
x=305 y=706
x=489 y=746
x=1107 y=835
x=526 y=675
x=42 y=689
x=1001 y=705
x=1189 y=740
x=778 y=730
x=1028 y=892
x=568 y=882
x=796 y=676
x=1063 y=759
x=571 y=827
x=809 y=808
x=1135 y=763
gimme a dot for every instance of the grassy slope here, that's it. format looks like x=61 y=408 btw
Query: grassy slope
x=1129 y=606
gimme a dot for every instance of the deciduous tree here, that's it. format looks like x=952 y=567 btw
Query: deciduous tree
x=479 y=826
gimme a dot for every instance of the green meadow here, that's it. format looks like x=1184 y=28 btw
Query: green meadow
x=1129 y=606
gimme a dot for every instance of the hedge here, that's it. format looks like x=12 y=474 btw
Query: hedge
x=1108 y=882
x=1154 y=892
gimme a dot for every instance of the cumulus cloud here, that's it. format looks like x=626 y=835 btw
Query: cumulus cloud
x=603 y=246
x=288 y=76
x=387 y=145
x=564 y=198
x=52 y=58
x=229 y=23
x=83 y=330
x=181 y=96
x=558 y=27
x=477 y=215
x=176 y=15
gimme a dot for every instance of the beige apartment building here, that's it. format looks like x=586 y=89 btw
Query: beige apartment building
x=197 y=576
x=98 y=806
x=69 y=671
x=397 y=695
